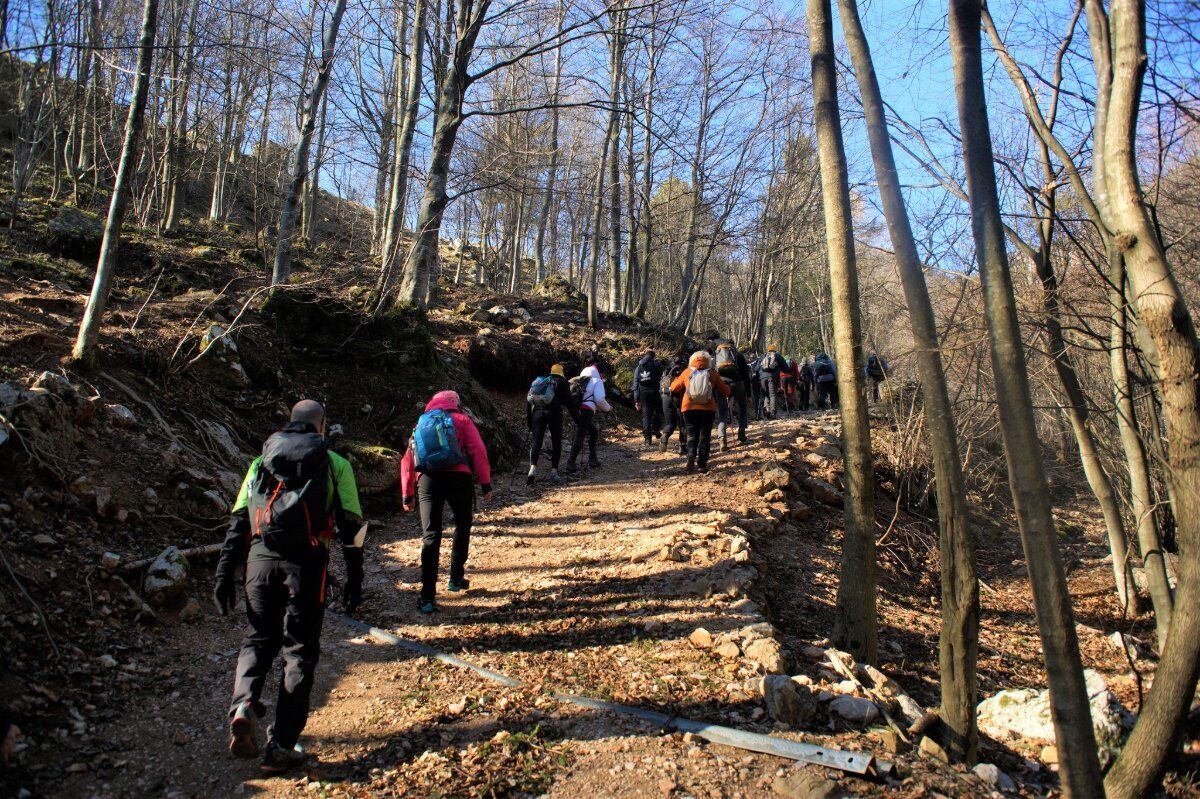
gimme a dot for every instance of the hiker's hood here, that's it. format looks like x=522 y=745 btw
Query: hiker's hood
x=443 y=401
x=591 y=371
x=700 y=360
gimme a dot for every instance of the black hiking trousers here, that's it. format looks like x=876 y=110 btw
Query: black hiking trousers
x=826 y=395
x=648 y=400
x=699 y=427
x=585 y=428
x=543 y=421
x=285 y=605
x=804 y=390
x=672 y=419
x=434 y=491
x=737 y=393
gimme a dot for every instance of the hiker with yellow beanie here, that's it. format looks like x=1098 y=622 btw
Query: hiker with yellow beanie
x=544 y=411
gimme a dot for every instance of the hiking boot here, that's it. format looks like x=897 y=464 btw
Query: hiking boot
x=278 y=760
x=461 y=584
x=691 y=464
x=426 y=606
x=702 y=468
x=724 y=445
x=593 y=462
x=648 y=441
x=662 y=444
x=530 y=477
x=243 y=732
x=571 y=468
x=742 y=439
x=554 y=478
x=683 y=449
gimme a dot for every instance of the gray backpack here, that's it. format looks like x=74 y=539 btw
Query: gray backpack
x=699 y=387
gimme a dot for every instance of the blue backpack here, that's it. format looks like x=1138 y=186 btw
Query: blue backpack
x=435 y=443
x=541 y=393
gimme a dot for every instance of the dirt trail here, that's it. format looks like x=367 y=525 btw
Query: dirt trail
x=571 y=590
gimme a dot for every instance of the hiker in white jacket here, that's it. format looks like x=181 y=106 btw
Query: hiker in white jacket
x=591 y=399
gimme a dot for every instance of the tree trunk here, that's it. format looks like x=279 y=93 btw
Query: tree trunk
x=93 y=315
x=959 y=641
x=593 y=309
x=1161 y=308
x=613 y=149
x=855 y=629
x=408 y=124
x=539 y=247
x=287 y=216
x=1080 y=767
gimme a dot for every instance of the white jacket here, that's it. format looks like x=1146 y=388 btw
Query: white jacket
x=593 y=395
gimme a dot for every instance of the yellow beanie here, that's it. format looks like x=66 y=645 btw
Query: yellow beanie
x=771 y=348
x=557 y=369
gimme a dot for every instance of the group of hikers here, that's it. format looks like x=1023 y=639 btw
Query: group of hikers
x=299 y=496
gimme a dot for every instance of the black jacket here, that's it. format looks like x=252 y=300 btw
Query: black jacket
x=562 y=399
x=646 y=376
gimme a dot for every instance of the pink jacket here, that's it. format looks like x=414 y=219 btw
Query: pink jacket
x=468 y=438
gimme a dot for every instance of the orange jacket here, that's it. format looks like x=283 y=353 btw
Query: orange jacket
x=680 y=384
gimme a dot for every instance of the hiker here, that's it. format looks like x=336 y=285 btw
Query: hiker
x=293 y=499
x=787 y=384
x=770 y=367
x=444 y=459
x=732 y=367
x=756 y=391
x=672 y=415
x=876 y=371
x=588 y=388
x=825 y=375
x=700 y=384
x=646 y=377
x=804 y=382
x=544 y=405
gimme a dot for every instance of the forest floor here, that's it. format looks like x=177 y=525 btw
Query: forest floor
x=572 y=590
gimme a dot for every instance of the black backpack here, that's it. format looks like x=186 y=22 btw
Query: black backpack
x=288 y=500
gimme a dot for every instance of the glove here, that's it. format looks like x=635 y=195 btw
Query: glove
x=352 y=592
x=224 y=595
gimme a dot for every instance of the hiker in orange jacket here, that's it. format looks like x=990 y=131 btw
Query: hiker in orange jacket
x=700 y=385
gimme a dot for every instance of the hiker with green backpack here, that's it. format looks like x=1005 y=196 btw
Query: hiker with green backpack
x=444 y=458
x=544 y=405
x=294 y=498
x=700 y=385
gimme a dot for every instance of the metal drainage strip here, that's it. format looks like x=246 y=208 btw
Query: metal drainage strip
x=861 y=763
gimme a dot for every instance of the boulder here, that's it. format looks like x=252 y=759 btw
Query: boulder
x=854 y=709
x=1025 y=713
x=729 y=650
x=767 y=654
x=823 y=491
x=223 y=438
x=376 y=469
x=701 y=638
x=75 y=233
x=807 y=782
x=120 y=416
x=559 y=289
x=788 y=702
x=738 y=544
x=993 y=776
x=167 y=578
x=776 y=477
x=219 y=361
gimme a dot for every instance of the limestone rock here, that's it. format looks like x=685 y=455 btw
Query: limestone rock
x=738 y=544
x=776 y=477
x=376 y=468
x=729 y=650
x=167 y=578
x=823 y=491
x=807 y=782
x=219 y=361
x=1025 y=713
x=854 y=709
x=993 y=776
x=932 y=749
x=701 y=638
x=120 y=416
x=767 y=654
x=789 y=702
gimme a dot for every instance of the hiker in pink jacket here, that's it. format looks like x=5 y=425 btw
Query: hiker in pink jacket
x=455 y=485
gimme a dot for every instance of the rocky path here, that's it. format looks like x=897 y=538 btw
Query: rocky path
x=595 y=587
x=634 y=583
